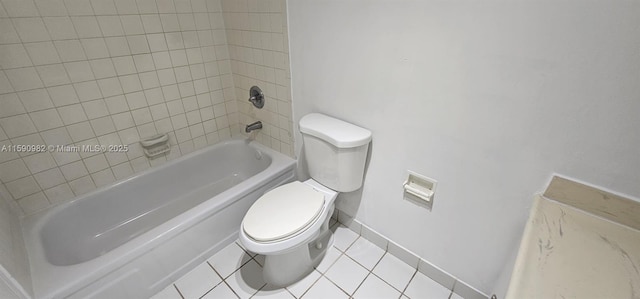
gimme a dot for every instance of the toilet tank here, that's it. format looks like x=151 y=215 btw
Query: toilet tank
x=335 y=151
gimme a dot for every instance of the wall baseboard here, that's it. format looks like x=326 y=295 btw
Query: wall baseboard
x=425 y=267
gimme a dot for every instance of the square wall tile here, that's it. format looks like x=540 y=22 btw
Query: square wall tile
x=53 y=74
x=72 y=114
x=49 y=178
x=86 y=26
x=60 y=28
x=31 y=29
x=57 y=136
x=82 y=185
x=110 y=25
x=95 y=109
x=24 y=78
x=102 y=68
x=46 y=119
x=19 y=125
x=104 y=7
x=74 y=170
x=70 y=50
x=79 y=71
x=23 y=187
x=33 y=203
x=63 y=95
x=42 y=53
x=20 y=8
x=95 y=48
x=11 y=105
x=103 y=177
x=59 y=194
x=40 y=162
x=14 y=56
x=78 y=7
x=87 y=91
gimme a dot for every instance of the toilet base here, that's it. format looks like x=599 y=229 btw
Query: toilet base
x=283 y=270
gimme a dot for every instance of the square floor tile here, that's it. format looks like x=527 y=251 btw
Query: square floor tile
x=394 y=271
x=246 y=281
x=220 y=291
x=329 y=258
x=343 y=237
x=197 y=282
x=324 y=289
x=365 y=253
x=347 y=274
x=169 y=292
x=298 y=288
x=374 y=287
x=422 y=286
x=229 y=259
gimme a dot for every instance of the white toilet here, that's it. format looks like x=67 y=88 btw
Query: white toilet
x=290 y=224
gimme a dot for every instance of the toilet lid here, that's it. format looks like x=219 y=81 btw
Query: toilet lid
x=282 y=212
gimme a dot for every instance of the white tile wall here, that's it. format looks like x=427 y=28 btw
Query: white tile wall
x=259 y=50
x=77 y=72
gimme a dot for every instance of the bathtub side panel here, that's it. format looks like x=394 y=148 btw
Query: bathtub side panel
x=132 y=207
x=154 y=270
x=159 y=256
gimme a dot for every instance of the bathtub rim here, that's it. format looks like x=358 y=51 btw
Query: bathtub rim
x=52 y=281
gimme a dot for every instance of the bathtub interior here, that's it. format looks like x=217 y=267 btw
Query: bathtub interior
x=100 y=222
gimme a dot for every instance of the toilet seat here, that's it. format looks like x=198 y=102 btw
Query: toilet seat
x=283 y=211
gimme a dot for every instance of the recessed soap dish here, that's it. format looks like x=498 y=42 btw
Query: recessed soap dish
x=156 y=145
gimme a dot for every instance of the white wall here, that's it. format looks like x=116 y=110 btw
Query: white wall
x=489 y=98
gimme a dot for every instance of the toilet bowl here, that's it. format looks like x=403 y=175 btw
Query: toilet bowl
x=285 y=245
x=289 y=225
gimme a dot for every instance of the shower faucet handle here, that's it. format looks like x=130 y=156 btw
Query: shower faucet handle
x=256 y=97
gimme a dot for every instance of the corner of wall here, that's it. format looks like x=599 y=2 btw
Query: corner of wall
x=258 y=47
x=15 y=276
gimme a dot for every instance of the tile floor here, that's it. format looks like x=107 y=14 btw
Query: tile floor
x=352 y=268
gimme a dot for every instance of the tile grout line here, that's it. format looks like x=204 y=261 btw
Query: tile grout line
x=402 y=293
x=370 y=272
x=178 y=290
x=323 y=274
x=387 y=251
x=372 y=268
x=223 y=280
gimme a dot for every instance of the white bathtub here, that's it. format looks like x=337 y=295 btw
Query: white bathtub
x=131 y=239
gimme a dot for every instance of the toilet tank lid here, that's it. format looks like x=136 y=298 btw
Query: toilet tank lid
x=337 y=132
